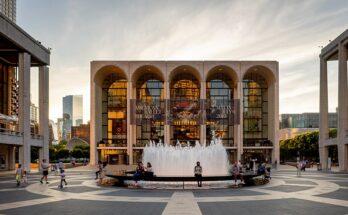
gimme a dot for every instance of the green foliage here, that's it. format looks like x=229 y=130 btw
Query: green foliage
x=63 y=142
x=52 y=153
x=77 y=153
x=63 y=153
x=333 y=133
x=80 y=151
x=304 y=145
x=34 y=152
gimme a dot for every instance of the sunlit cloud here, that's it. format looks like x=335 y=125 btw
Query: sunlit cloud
x=287 y=31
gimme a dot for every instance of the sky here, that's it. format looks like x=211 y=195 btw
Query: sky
x=290 y=32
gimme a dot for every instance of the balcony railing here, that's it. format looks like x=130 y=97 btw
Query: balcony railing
x=257 y=142
x=10 y=132
x=114 y=143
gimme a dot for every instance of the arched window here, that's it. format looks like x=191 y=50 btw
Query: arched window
x=114 y=110
x=149 y=89
x=255 y=109
x=185 y=108
x=219 y=103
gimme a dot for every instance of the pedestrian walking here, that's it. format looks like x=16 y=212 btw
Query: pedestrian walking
x=44 y=167
x=24 y=177
x=19 y=174
x=62 y=179
x=299 y=167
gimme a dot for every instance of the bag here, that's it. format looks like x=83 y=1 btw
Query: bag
x=18 y=177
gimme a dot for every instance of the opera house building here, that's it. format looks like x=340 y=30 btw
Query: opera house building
x=186 y=103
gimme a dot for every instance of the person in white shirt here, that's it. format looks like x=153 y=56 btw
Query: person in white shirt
x=62 y=179
x=44 y=167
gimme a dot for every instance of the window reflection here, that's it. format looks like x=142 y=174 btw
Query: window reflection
x=255 y=109
x=184 y=104
x=114 y=115
x=149 y=88
x=219 y=93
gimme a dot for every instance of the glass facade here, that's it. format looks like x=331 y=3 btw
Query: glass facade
x=219 y=96
x=255 y=110
x=114 y=111
x=185 y=107
x=149 y=90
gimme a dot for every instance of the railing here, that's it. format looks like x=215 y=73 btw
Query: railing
x=10 y=132
x=257 y=142
x=36 y=136
x=115 y=143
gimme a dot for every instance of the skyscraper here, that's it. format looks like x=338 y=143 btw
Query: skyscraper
x=8 y=8
x=72 y=113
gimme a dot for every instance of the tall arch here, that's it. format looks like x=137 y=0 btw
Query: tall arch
x=220 y=84
x=148 y=82
x=258 y=111
x=184 y=105
x=113 y=84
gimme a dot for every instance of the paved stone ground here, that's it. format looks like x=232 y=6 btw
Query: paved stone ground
x=312 y=193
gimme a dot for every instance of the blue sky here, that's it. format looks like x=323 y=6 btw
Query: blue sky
x=79 y=31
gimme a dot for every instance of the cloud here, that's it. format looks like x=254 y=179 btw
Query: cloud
x=287 y=31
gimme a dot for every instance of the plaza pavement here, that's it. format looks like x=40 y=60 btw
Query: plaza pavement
x=312 y=193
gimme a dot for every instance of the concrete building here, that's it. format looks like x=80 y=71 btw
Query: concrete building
x=335 y=50
x=34 y=110
x=305 y=120
x=133 y=102
x=60 y=122
x=72 y=113
x=81 y=131
x=8 y=8
x=292 y=125
x=18 y=53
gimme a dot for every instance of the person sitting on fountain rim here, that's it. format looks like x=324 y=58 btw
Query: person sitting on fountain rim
x=148 y=171
x=236 y=172
x=138 y=172
x=198 y=174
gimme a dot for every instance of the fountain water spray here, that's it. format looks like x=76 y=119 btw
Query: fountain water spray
x=177 y=160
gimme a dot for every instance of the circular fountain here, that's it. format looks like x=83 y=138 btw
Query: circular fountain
x=173 y=166
x=180 y=160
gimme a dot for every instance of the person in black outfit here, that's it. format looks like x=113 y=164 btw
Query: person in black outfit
x=198 y=174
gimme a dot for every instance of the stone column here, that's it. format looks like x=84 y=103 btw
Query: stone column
x=44 y=111
x=129 y=125
x=203 y=126
x=11 y=158
x=273 y=99
x=24 y=62
x=238 y=134
x=166 y=127
x=342 y=107
x=323 y=126
x=96 y=120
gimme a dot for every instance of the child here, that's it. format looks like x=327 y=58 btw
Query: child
x=62 y=179
x=19 y=174
x=24 y=177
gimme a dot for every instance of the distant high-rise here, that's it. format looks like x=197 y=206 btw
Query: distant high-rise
x=34 y=110
x=72 y=113
x=8 y=8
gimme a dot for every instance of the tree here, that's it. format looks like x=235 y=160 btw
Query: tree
x=77 y=153
x=63 y=153
x=305 y=145
x=82 y=150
